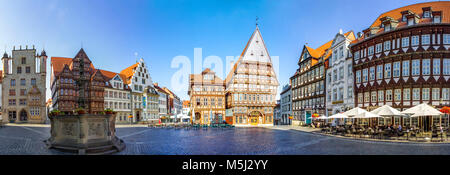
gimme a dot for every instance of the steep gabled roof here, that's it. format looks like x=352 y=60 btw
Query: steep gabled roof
x=108 y=74
x=396 y=14
x=128 y=72
x=443 y=6
x=233 y=69
x=98 y=73
x=58 y=63
x=320 y=51
x=198 y=78
x=159 y=88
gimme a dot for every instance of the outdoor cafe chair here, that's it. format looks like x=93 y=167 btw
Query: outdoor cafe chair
x=348 y=132
x=434 y=134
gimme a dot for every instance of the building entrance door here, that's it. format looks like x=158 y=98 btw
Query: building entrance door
x=197 y=118
x=254 y=117
x=12 y=116
x=23 y=115
x=138 y=116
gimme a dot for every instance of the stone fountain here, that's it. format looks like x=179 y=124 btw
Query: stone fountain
x=85 y=134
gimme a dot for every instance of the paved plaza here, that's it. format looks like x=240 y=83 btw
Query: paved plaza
x=28 y=140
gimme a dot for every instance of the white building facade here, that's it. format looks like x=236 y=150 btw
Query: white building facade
x=151 y=105
x=339 y=79
x=286 y=105
x=138 y=78
x=117 y=96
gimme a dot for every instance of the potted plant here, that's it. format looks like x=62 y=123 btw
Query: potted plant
x=102 y=113
x=80 y=111
x=109 y=111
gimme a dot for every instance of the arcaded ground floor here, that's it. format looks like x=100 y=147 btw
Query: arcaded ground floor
x=140 y=140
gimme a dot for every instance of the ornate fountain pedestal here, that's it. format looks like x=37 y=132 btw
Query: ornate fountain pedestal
x=84 y=134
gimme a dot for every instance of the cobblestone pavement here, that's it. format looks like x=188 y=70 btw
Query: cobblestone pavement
x=248 y=141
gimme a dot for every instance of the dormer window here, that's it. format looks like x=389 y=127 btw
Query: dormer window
x=387 y=27
x=427 y=14
x=404 y=18
x=437 y=19
x=411 y=21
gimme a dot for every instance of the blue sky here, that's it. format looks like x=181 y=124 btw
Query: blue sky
x=112 y=31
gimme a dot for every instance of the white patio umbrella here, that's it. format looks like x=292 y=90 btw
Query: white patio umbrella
x=387 y=111
x=354 y=111
x=323 y=117
x=338 y=116
x=367 y=115
x=422 y=110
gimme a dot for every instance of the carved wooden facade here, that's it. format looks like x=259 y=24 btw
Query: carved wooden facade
x=77 y=84
x=404 y=59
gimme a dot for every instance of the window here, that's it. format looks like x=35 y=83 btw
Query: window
x=370 y=50
x=372 y=73
x=360 y=98
x=446 y=38
x=446 y=67
x=27 y=69
x=366 y=97
x=356 y=55
x=387 y=70
x=12 y=101
x=341 y=52
x=405 y=70
x=350 y=92
x=445 y=93
x=13 y=82
x=379 y=72
x=24 y=60
x=425 y=39
x=358 y=76
x=22 y=102
x=415 y=40
x=406 y=94
x=426 y=14
x=373 y=96
x=415 y=68
x=364 y=75
x=405 y=42
x=19 y=70
x=387 y=45
x=435 y=94
x=12 y=92
x=411 y=21
x=426 y=66
x=22 y=82
x=335 y=76
x=425 y=94
x=380 y=96
x=387 y=27
x=437 y=19
x=396 y=69
x=341 y=73
x=397 y=94
x=416 y=94
x=388 y=95
x=378 y=48
x=23 y=92
x=436 y=66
